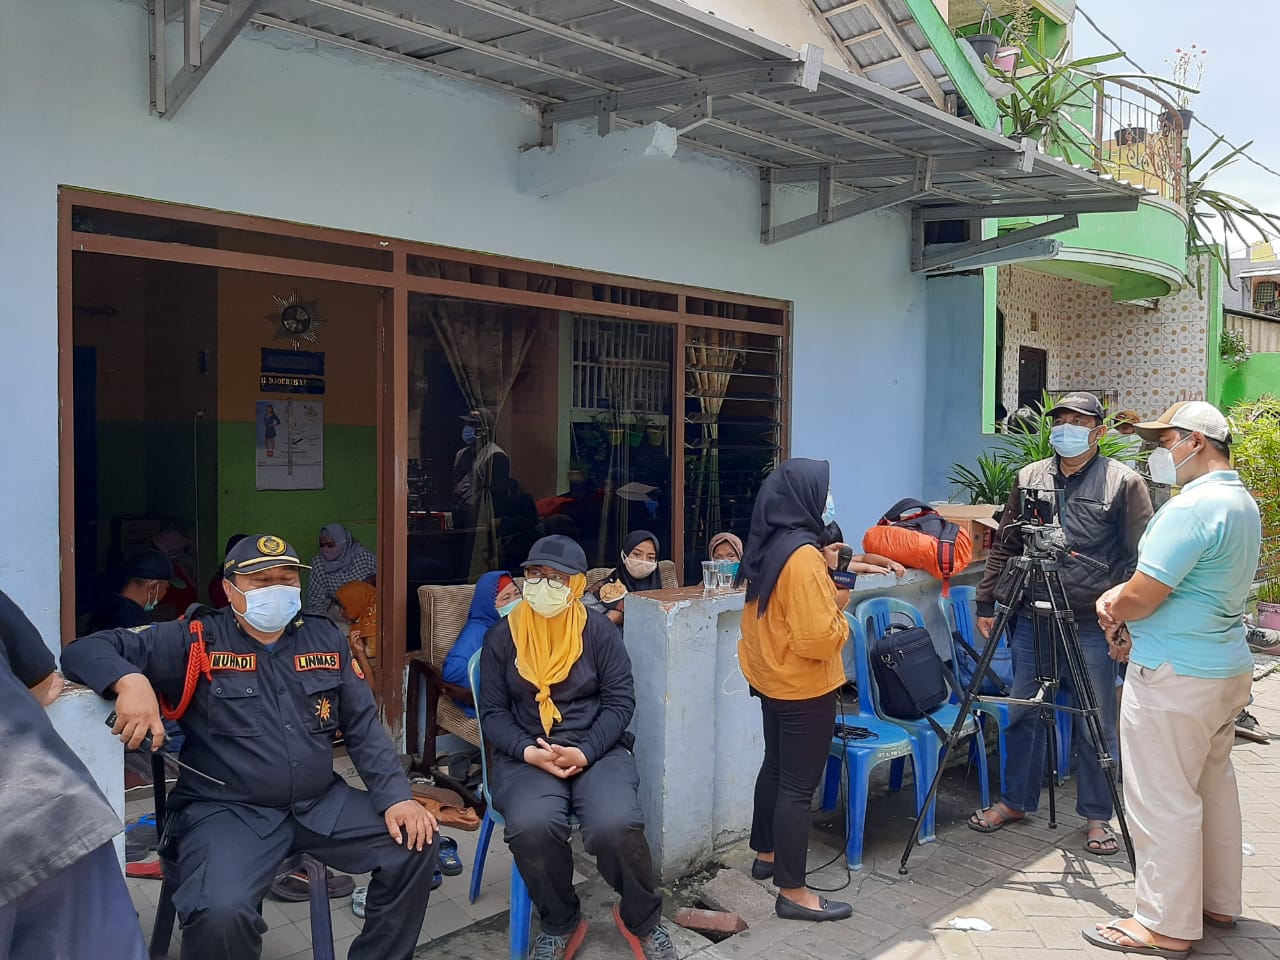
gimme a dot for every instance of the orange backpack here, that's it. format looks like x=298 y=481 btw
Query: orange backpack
x=917 y=536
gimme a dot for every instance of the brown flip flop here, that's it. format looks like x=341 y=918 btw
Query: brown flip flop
x=982 y=825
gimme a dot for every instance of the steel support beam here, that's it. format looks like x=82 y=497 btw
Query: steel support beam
x=950 y=255
x=691 y=117
x=1046 y=248
x=739 y=79
x=959 y=163
x=829 y=212
x=167 y=96
x=1029 y=208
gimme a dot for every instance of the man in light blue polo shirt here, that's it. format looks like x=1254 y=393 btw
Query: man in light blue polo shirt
x=1189 y=676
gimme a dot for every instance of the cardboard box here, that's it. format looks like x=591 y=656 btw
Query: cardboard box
x=978 y=519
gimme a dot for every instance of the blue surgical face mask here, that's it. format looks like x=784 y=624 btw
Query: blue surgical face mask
x=829 y=511
x=1070 y=440
x=271 y=608
x=505 y=609
x=468 y=434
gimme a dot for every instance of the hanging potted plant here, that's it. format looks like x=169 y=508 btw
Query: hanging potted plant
x=1016 y=33
x=1188 y=71
x=984 y=42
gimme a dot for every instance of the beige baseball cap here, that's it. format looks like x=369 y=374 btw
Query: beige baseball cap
x=1194 y=415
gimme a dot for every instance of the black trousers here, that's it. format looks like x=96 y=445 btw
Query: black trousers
x=224 y=869
x=797 y=738
x=536 y=808
x=81 y=911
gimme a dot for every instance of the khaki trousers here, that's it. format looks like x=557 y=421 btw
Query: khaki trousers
x=1181 y=798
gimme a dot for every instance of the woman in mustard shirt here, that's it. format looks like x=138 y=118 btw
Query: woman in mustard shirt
x=793 y=629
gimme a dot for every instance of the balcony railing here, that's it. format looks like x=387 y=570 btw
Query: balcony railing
x=1139 y=136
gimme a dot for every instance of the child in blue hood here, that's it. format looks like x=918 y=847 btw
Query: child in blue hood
x=496 y=595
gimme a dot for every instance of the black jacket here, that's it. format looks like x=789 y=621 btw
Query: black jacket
x=265 y=722
x=1106 y=508
x=596 y=701
x=52 y=810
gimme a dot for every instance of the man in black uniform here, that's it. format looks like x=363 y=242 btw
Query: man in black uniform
x=147 y=575
x=259 y=690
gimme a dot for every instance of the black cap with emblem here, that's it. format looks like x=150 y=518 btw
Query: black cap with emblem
x=261 y=552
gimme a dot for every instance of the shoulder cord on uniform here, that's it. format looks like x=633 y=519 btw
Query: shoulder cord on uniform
x=197 y=665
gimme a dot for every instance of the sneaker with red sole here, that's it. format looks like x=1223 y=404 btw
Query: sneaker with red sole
x=655 y=945
x=549 y=946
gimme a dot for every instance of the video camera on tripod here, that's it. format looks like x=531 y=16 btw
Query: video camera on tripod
x=1032 y=583
x=1042 y=539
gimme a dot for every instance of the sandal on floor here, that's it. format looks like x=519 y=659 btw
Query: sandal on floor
x=447 y=854
x=1096 y=845
x=1096 y=938
x=982 y=825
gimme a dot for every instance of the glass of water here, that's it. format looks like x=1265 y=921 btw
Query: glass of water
x=726 y=570
x=710 y=577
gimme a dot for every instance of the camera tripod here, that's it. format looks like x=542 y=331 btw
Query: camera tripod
x=1035 y=574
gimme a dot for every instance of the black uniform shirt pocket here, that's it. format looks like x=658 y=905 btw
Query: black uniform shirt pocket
x=320 y=699
x=235 y=707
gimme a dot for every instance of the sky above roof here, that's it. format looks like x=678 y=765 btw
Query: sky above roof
x=1236 y=89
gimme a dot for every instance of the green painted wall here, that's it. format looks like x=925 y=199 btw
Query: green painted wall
x=350 y=494
x=1260 y=375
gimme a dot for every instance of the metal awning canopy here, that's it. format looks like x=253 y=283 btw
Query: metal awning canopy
x=724 y=89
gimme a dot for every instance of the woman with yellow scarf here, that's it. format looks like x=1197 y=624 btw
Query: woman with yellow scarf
x=556 y=696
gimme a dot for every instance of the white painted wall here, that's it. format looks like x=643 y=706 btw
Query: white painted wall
x=282 y=129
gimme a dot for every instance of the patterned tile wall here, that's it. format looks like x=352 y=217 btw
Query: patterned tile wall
x=1148 y=359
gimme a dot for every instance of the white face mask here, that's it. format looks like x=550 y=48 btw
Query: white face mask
x=1162 y=467
x=639 y=568
x=829 y=510
x=270 y=608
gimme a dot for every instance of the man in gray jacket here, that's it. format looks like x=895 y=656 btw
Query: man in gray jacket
x=1103 y=507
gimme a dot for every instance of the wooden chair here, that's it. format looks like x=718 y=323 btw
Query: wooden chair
x=444 y=614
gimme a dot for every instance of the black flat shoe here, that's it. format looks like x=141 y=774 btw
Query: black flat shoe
x=761 y=869
x=830 y=910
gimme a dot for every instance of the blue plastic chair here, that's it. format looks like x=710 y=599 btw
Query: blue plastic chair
x=958 y=613
x=521 y=903
x=875 y=616
x=859 y=757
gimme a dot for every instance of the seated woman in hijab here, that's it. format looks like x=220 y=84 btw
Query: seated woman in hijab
x=638 y=572
x=725 y=546
x=556 y=697
x=341 y=560
x=496 y=596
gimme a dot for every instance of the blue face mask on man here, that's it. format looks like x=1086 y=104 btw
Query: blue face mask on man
x=1070 y=439
x=469 y=434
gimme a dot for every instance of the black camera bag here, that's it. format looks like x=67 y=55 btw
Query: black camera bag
x=909 y=674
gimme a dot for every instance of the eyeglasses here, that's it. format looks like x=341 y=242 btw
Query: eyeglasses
x=555 y=581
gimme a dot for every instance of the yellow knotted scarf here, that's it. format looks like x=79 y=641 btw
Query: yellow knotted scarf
x=547 y=649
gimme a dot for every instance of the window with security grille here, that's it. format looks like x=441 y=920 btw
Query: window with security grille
x=1264 y=296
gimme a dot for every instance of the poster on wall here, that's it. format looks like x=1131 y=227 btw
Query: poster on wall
x=289 y=439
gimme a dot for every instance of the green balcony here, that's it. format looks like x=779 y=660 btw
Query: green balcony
x=1138 y=135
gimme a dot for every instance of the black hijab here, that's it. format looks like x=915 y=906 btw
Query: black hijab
x=620 y=572
x=787 y=516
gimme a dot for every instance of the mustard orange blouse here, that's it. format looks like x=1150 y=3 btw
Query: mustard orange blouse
x=793 y=651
